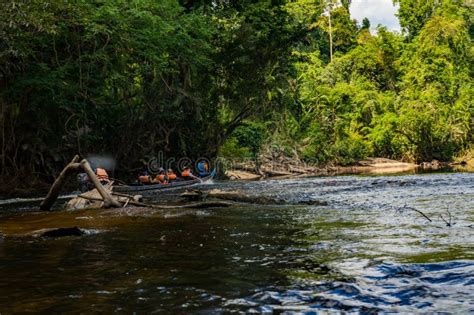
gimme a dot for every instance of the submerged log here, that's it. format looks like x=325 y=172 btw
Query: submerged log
x=92 y=199
x=193 y=195
x=53 y=232
x=238 y=196
x=61 y=232
x=197 y=205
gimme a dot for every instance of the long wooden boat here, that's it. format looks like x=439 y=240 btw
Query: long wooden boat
x=152 y=187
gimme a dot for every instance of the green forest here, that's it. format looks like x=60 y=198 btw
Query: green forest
x=132 y=78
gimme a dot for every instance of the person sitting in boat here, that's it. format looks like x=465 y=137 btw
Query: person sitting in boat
x=144 y=178
x=83 y=181
x=102 y=176
x=187 y=174
x=171 y=175
x=161 y=178
x=203 y=169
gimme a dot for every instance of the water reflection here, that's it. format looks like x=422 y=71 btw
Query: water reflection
x=386 y=287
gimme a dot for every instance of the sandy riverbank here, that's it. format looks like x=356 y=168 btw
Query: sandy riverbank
x=375 y=166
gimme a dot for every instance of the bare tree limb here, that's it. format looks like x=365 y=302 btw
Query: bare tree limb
x=416 y=210
x=448 y=223
x=58 y=184
x=108 y=200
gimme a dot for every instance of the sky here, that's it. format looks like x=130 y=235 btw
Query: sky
x=377 y=11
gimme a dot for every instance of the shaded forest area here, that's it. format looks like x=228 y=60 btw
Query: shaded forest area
x=130 y=79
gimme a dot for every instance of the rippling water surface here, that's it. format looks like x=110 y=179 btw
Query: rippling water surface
x=366 y=250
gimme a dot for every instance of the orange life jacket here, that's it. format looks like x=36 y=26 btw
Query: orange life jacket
x=161 y=177
x=186 y=173
x=171 y=176
x=102 y=175
x=144 y=179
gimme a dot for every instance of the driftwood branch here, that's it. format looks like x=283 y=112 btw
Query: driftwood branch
x=58 y=184
x=448 y=223
x=109 y=201
x=416 y=210
x=238 y=196
x=73 y=166
x=197 y=205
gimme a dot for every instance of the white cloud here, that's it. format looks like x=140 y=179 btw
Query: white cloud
x=377 y=11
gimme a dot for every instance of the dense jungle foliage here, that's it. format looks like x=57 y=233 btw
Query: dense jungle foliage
x=131 y=78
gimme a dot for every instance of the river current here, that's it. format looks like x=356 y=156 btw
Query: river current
x=376 y=244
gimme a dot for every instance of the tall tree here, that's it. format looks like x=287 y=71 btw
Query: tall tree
x=413 y=14
x=365 y=24
x=436 y=98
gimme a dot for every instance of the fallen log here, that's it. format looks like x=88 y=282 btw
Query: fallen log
x=243 y=175
x=275 y=173
x=54 y=232
x=109 y=201
x=91 y=199
x=103 y=197
x=134 y=197
x=304 y=170
x=58 y=184
x=238 y=196
x=61 y=232
x=197 y=205
x=245 y=167
x=74 y=165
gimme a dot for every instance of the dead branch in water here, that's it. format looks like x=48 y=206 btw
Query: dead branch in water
x=109 y=201
x=58 y=184
x=74 y=165
x=197 y=205
x=448 y=223
x=238 y=196
x=416 y=210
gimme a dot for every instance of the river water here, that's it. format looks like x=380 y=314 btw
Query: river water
x=366 y=251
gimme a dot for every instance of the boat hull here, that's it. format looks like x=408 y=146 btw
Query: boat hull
x=153 y=187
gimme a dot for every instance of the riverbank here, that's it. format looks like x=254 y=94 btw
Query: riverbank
x=371 y=166
x=276 y=168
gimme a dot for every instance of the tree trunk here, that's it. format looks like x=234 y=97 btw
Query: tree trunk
x=108 y=200
x=330 y=32
x=53 y=193
x=58 y=184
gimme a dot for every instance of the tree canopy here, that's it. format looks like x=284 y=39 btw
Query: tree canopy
x=133 y=78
